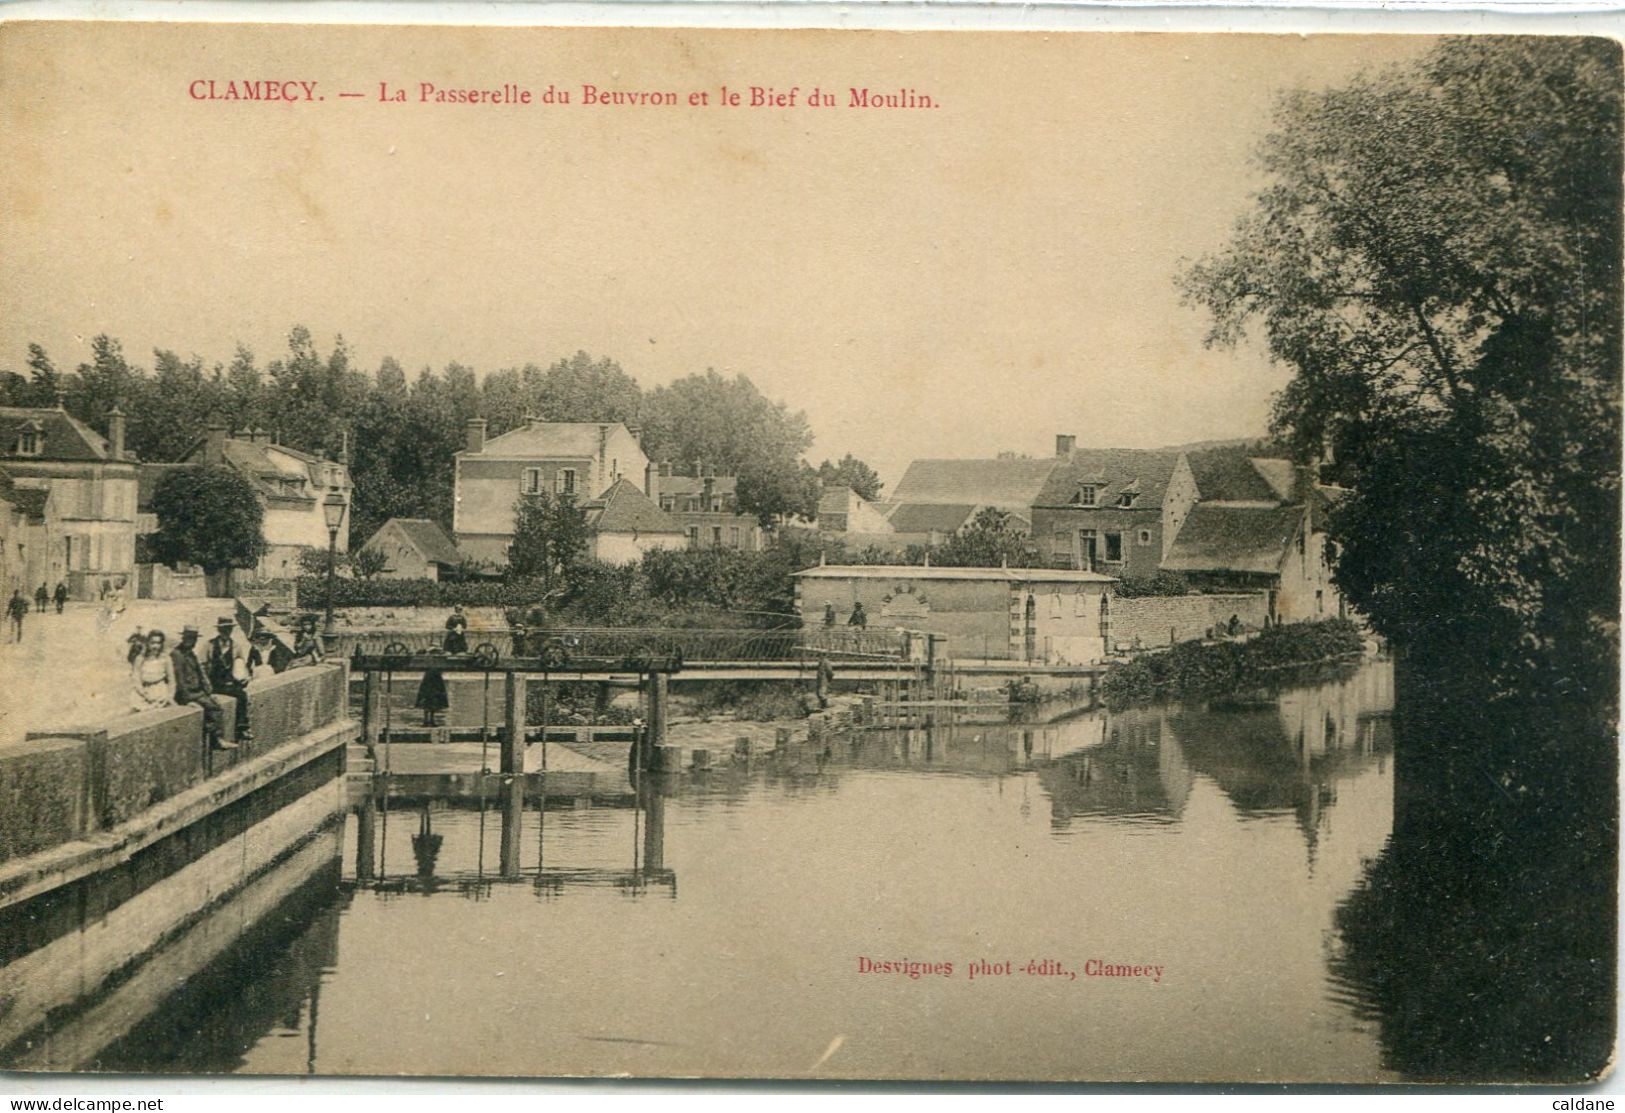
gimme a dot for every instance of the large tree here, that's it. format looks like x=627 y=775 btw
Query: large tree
x=988 y=540
x=1436 y=257
x=208 y=516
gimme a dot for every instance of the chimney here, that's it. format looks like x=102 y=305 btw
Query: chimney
x=214 y=444
x=650 y=486
x=708 y=470
x=115 y=432
x=1065 y=443
x=710 y=485
x=344 y=446
x=474 y=434
x=665 y=468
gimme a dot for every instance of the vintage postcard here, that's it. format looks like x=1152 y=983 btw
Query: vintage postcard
x=861 y=554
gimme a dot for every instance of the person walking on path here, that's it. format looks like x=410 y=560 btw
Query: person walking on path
x=228 y=674
x=17 y=610
x=153 y=674
x=192 y=687
x=61 y=596
x=41 y=598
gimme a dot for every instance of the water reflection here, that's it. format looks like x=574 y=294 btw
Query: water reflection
x=452 y=835
x=1243 y=845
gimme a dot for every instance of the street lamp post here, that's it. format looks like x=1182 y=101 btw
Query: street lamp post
x=333 y=511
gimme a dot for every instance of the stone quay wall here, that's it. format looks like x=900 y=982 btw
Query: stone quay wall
x=66 y=784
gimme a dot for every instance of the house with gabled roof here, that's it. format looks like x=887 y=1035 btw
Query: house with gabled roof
x=290 y=486
x=1259 y=524
x=625 y=523
x=706 y=505
x=415 y=549
x=1111 y=510
x=580 y=459
x=92 y=482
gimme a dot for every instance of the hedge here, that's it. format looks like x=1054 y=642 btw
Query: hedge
x=1201 y=668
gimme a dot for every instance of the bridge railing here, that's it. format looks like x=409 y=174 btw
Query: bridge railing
x=693 y=645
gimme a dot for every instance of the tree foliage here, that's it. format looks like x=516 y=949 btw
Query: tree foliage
x=854 y=473
x=989 y=540
x=208 y=516
x=1436 y=258
x=549 y=537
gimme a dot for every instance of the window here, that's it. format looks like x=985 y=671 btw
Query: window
x=1144 y=537
x=567 y=481
x=1114 y=548
x=694 y=537
x=533 y=481
x=668 y=503
x=1088 y=494
x=1126 y=499
x=733 y=536
x=716 y=537
x=1062 y=544
x=28 y=443
x=1055 y=605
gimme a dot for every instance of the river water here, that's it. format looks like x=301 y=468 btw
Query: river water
x=731 y=923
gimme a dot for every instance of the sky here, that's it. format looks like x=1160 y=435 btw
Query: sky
x=957 y=281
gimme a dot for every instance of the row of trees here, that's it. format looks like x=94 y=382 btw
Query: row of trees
x=402 y=431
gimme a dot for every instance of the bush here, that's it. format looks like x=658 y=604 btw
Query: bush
x=1158 y=583
x=1198 y=668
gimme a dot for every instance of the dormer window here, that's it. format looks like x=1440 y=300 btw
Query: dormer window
x=29 y=441
x=1126 y=499
x=1088 y=495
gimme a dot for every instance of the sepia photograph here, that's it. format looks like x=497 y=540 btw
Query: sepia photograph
x=809 y=554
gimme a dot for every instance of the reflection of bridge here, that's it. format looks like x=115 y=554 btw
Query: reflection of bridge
x=510 y=801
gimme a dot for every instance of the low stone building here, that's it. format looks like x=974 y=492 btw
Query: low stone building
x=414 y=549
x=1050 y=615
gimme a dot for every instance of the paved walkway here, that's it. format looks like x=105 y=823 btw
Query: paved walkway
x=70 y=669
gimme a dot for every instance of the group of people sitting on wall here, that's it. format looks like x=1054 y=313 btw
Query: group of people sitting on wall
x=179 y=677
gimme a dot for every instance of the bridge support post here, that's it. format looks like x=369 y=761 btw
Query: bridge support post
x=513 y=730
x=369 y=710
x=655 y=736
x=513 y=814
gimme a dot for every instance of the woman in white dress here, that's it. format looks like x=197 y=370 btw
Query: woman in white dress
x=153 y=675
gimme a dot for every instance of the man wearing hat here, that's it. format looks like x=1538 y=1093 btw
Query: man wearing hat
x=192 y=686
x=223 y=674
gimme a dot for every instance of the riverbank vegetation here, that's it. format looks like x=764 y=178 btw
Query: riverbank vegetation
x=1437 y=259
x=1230 y=668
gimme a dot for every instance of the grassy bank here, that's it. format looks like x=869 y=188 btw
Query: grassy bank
x=1200 y=668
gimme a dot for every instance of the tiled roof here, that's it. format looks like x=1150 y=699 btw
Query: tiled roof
x=542 y=439
x=65 y=436
x=836 y=500
x=1233 y=538
x=1228 y=475
x=1281 y=475
x=1006 y=484
x=624 y=508
x=1112 y=471
x=427 y=538
x=925 y=517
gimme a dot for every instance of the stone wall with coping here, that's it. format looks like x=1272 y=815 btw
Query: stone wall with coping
x=60 y=785
x=1150 y=618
